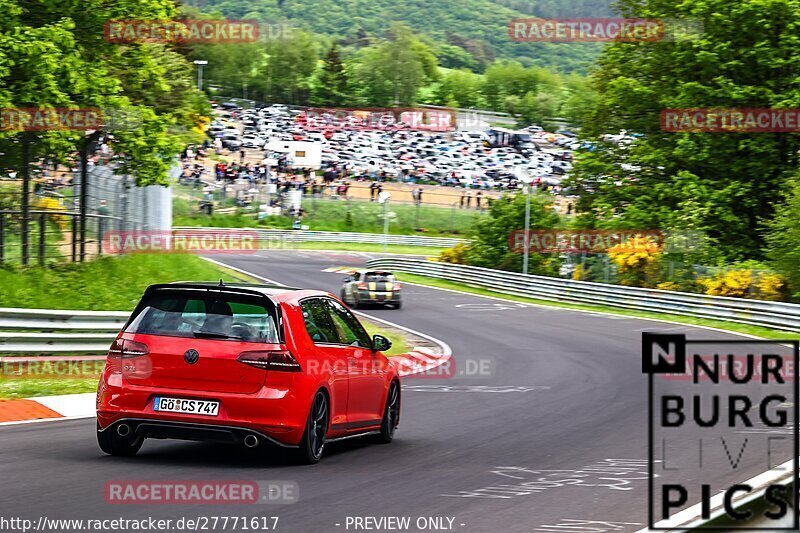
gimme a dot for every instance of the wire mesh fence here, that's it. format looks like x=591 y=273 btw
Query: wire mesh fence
x=313 y=206
x=56 y=229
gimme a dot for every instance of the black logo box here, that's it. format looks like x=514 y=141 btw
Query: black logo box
x=676 y=364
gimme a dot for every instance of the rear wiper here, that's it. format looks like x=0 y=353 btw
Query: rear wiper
x=212 y=335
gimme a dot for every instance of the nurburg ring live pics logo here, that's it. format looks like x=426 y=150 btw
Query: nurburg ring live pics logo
x=722 y=433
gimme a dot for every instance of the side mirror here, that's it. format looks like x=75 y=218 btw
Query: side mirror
x=347 y=279
x=380 y=343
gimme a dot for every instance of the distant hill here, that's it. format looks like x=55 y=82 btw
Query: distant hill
x=478 y=26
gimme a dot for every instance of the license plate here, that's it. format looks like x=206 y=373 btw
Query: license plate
x=181 y=405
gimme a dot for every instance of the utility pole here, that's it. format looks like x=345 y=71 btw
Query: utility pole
x=527 y=179
x=200 y=63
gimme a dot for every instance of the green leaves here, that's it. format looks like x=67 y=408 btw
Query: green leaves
x=725 y=184
x=53 y=54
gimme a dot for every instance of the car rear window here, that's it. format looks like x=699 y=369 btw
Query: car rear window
x=204 y=314
x=379 y=277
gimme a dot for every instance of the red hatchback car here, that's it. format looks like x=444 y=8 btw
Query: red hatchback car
x=247 y=364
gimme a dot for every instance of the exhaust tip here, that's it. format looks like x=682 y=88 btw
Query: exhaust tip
x=123 y=430
x=251 y=441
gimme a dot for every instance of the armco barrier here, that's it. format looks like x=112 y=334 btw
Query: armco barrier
x=775 y=315
x=280 y=237
x=56 y=331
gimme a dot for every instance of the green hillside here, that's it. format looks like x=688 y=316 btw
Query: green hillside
x=478 y=27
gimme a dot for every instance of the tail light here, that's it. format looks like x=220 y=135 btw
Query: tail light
x=396 y=286
x=122 y=349
x=362 y=286
x=280 y=360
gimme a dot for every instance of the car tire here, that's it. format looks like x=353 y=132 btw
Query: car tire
x=113 y=444
x=391 y=414
x=312 y=444
x=397 y=305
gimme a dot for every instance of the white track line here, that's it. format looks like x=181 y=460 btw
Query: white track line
x=241 y=271
x=585 y=311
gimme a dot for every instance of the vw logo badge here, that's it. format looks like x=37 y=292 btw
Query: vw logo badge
x=191 y=356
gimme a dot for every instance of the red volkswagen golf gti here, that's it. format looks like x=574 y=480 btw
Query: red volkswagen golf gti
x=246 y=364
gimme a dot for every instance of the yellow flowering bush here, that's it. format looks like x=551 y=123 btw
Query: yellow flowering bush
x=669 y=286
x=772 y=287
x=455 y=255
x=637 y=260
x=741 y=283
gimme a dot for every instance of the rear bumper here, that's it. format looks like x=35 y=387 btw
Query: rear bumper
x=273 y=414
x=378 y=297
x=170 y=429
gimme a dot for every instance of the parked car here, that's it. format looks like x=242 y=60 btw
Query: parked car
x=245 y=364
x=252 y=141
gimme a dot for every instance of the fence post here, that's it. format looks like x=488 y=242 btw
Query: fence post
x=99 y=236
x=42 y=223
x=26 y=197
x=84 y=194
x=2 y=237
x=74 y=238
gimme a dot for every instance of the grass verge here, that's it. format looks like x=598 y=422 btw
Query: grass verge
x=757 y=331
x=104 y=284
x=30 y=387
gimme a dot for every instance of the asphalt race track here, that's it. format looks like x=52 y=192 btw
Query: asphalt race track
x=565 y=393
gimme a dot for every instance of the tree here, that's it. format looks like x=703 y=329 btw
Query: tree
x=783 y=238
x=489 y=245
x=53 y=54
x=393 y=71
x=286 y=73
x=460 y=88
x=333 y=87
x=725 y=184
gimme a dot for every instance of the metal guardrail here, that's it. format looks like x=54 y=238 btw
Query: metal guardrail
x=50 y=319
x=273 y=237
x=775 y=315
x=43 y=330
